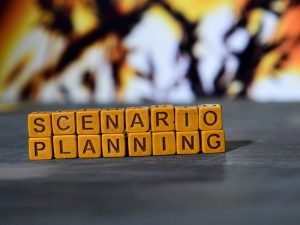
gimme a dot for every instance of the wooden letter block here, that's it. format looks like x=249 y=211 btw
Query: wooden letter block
x=89 y=146
x=40 y=148
x=213 y=141
x=88 y=121
x=112 y=121
x=163 y=143
x=186 y=118
x=137 y=119
x=113 y=145
x=39 y=124
x=210 y=117
x=65 y=146
x=188 y=142
x=139 y=144
x=162 y=118
x=63 y=122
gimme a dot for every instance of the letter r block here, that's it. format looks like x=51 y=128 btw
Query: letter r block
x=65 y=146
x=162 y=118
x=137 y=119
x=139 y=144
x=210 y=117
x=213 y=141
x=186 y=118
x=88 y=121
x=164 y=143
x=89 y=146
x=40 y=148
x=113 y=145
x=188 y=142
x=63 y=122
x=112 y=121
x=39 y=124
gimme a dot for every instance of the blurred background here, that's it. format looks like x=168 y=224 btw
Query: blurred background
x=134 y=51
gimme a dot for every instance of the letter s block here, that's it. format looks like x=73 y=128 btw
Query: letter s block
x=112 y=121
x=113 y=145
x=162 y=118
x=65 y=146
x=210 y=117
x=88 y=121
x=63 y=122
x=39 y=124
x=139 y=144
x=213 y=141
x=137 y=119
x=40 y=148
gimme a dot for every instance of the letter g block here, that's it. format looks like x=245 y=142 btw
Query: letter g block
x=213 y=141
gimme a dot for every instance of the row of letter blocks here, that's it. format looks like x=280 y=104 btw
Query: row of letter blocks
x=135 y=131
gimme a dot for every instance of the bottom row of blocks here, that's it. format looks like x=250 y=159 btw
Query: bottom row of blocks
x=114 y=145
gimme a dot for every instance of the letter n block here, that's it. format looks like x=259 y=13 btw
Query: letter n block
x=40 y=148
x=210 y=117
x=137 y=119
x=63 y=122
x=65 y=146
x=213 y=141
x=39 y=124
x=88 y=121
x=113 y=145
x=188 y=142
x=139 y=144
x=162 y=118
x=112 y=121
x=163 y=143
x=89 y=146
x=186 y=118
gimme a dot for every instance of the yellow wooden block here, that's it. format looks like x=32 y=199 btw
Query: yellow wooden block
x=112 y=121
x=137 y=119
x=213 y=141
x=89 y=146
x=39 y=124
x=113 y=145
x=88 y=121
x=63 y=122
x=65 y=146
x=40 y=148
x=186 y=118
x=188 y=142
x=139 y=144
x=210 y=117
x=163 y=143
x=162 y=118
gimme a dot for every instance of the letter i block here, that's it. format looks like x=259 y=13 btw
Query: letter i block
x=162 y=118
x=65 y=146
x=113 y=145
x=39 y=124
x=112 y=121
x=40 y=148
x=89 y=146
x=186 y=118
x=210 y=117
x=188 y=142
x=137 y=119
x=63 y=122
x=88 y=121
x=163 y=143
x=139 y=144
x=213 y=141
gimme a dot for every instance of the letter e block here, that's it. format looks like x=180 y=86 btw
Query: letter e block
x=137 y=119
x=40 y=148
x=162 y=118
x=210 y=117
x=88 y=121
x=213 y=141
x=89 y=146
x=163 y=143
x=139 y=144
x=63 y=122
x=186 y=118
x=113 y=145
x=112 y=121
x=188 y=142
x=39 y=124
x=65 y=146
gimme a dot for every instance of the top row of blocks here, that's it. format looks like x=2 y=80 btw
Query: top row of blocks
x=133 y=119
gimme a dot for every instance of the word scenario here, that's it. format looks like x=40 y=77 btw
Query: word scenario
x=135 y=131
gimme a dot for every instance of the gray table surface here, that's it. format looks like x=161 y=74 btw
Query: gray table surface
x=257 y=181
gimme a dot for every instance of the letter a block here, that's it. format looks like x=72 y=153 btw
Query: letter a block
x=186 y=118
x=163 y=143
x=162 y=118
x=40 y=148
x=89 y=146
x=210 y=117
x=112 y=121
x=88 y=121
x=65 y=146
x=213 y=141
x=113 y=145
x=39 y=124
x=137 y=119
x=187 y=142
x=63 y=122
x=139 y=144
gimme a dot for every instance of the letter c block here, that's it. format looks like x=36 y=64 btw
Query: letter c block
x=63 y=122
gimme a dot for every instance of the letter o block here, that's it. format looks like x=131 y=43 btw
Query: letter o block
x=88 y=121
x=63 y=122
x=164 y=143
x=162 y=118
x=39 y=124
x=112 y=121
x=113 y=145
x=213 y=141
x=210 y=117
x=186 y=118
x=65 y=146
x=137 y=119
x=139 y=144
x=188 y=142
x=40 y=148
x=89 y=146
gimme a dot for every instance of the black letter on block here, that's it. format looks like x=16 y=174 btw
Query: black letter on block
x=190 y=144
x=43 y=128
x=58 y=125
x=158 y=118
x=142 y=146
x=164 y=143
x=136 y=115
x=116 y=147
x=84 y=122
x=215 y=119
x=114 y=123
x=89 y=146
x=217 y=142
x=36 y=149
x=61 y=150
